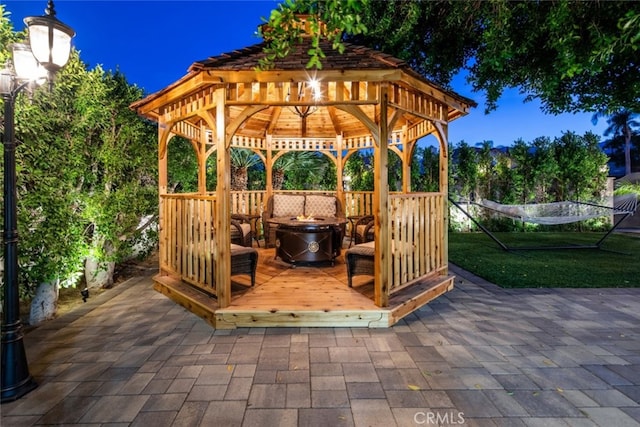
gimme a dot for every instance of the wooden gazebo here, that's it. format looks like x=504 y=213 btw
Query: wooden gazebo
x=360 y=99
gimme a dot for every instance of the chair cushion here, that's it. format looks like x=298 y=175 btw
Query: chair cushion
x=363 y=249
x=361 y=228
x=320 y=206
x=288 y=205
x=246 y=229
x=241 y=250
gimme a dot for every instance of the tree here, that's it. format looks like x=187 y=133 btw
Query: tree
x=571 y=55
x=394 y=171
x=465 y=170
x=544 y=165
x=522 y=175
x=424 y=169
x=298 y=170
x=614 y=148
x=505 y=189
x=242 y=159
x=582 y=166
x=119 y=164
x=359 y=169
x=621 y=123
x=338 y=16
x=182 y=166
x=485 y=169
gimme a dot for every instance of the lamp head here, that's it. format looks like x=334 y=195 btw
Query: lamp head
x=50 y=40
x=25 y=64
x=6 y=80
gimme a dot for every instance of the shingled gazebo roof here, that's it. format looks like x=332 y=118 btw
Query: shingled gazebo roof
x=353 y=57
x=356 y=64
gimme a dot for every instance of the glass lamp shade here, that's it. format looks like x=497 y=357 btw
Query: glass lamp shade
x=50 y=40
x=25 y=64
x=6 y=81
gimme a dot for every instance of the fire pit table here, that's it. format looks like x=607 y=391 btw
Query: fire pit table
x=308 y=240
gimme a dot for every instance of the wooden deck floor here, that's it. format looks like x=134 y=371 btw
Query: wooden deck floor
x=307 y=295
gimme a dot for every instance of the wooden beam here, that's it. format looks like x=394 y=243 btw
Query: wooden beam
x=442 y=135
x=335 y=122
x=362 y=116
x=418 y=114
x=407 y=154
x=340 y=172
x=202 y=161
x=223 y=211
x=268 y=167
x=381 y=207
x=151 y=103
x=275 y=115
x=457 y=102
x=163 y=178
x=233 y=126
x=425 y=291
x=237 y=318
x=179 y=292
x=272 y=103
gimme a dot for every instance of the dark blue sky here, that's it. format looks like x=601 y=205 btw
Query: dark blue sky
x=153 y=43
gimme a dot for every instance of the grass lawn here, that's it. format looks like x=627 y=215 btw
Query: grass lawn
x=616 y=264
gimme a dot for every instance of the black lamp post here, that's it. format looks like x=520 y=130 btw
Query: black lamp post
x=50 y=42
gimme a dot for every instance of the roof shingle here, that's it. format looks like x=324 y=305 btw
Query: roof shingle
x=354 y=57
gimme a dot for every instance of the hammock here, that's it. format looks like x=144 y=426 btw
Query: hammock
x=563 y=212
x=557 y=213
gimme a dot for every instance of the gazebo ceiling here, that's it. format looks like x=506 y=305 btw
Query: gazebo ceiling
x=286 y=103
x=284 y=122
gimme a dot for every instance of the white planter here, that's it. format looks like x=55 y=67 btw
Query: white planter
x=44 y=303
x=98 y=274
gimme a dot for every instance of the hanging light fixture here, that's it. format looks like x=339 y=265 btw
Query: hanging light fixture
x=304 y=111
x=50 y=40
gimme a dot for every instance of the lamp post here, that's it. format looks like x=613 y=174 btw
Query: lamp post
x=50 y=46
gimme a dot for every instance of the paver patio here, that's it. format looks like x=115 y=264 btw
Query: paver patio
x=479 y=355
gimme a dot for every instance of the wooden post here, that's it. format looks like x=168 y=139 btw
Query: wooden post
x=202 y=161
x=443 y=180
x=381 y=207
x=268 y=168
x=223 y=208
x=340 y=173
x=407 y=151
x=163 y=177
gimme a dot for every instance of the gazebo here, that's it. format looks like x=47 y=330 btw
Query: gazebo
x=361 y=99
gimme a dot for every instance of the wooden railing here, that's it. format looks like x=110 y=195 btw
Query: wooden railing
x=187 y=247
x=247 y=202
x=417 y=237
x=358 y=203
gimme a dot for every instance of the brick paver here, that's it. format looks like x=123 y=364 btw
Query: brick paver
x=479 y=355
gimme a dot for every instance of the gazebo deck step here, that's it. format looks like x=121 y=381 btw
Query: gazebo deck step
x=303 y=297
x=187 y=296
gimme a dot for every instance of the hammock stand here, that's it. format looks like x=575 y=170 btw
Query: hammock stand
x=625 y=206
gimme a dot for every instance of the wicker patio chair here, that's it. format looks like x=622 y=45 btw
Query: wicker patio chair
x=241 y=232
x=359 y=259
x=364 y=229
x=244 y=260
